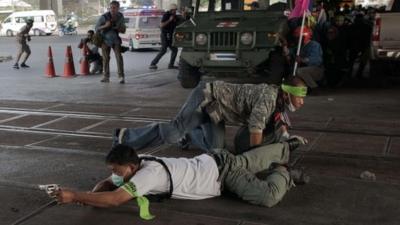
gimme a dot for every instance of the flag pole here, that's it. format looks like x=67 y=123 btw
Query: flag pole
x=300 y=41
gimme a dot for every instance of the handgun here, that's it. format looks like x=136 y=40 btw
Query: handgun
x=49 y=188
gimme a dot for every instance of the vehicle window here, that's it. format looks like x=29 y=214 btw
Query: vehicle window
x=50 y=18
x=20 y=19
x=246 y=5
x=203 y=6
x=8 y=20
x=130 y=22
x=149 y=22
x=38 y=19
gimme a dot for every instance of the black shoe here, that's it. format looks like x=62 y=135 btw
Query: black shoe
x=293 y=143
x=172 y=67
x=23 y=65
x=16 y=66
x=105 y=80
x=153 y=67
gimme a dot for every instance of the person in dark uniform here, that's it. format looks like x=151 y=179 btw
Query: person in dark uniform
x=23 y=47
x=168 y=24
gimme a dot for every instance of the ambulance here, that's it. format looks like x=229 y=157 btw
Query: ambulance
x=143 y=28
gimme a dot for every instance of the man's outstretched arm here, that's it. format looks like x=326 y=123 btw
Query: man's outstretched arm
x=97 y=199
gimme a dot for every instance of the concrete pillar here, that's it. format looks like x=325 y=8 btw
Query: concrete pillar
x=55 y=5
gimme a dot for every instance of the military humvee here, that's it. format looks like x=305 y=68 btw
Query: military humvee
x=232 y=38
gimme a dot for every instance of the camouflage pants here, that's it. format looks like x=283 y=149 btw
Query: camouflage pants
x=238 y=173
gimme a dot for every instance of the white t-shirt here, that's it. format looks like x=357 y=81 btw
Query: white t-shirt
x=194 y=178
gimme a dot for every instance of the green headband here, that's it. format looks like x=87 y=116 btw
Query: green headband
x=296 y=91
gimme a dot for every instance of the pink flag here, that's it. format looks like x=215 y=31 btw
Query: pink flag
x=300 y=6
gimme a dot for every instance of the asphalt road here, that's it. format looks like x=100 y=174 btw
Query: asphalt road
x=32 y=84
x=57 y=130
x=135 y=62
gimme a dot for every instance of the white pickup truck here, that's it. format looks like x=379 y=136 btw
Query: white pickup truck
x=385 y=57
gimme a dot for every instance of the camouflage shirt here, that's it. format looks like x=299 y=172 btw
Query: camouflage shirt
x=249 y=104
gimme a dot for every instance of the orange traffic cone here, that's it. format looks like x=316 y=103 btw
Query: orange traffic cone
x=50 y=71
x=69 y=68
x=84 y=61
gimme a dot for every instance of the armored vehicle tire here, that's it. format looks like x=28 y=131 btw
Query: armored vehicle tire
x=189 y=76
x=376 y=68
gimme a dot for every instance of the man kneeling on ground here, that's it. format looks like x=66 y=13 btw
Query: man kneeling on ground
x=93 y=56
x=201 y=177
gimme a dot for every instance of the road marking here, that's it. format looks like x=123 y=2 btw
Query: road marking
x=93 y=125
x=12 y=118
x=42 y=141
x=147 y=74
x=388 y=145
x=53 y=106
x=54 y=132
x=49 y=122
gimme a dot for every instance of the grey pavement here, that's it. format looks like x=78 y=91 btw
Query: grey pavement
x=58 y=130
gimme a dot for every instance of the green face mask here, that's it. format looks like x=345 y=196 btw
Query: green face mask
x=117 y=180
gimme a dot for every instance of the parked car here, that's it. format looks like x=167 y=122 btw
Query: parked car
x=45 y=22
x=385 y=57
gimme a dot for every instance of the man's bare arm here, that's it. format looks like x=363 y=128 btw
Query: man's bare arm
x=97 y=199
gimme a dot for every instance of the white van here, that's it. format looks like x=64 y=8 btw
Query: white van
x=142 y=28
x=44 y=22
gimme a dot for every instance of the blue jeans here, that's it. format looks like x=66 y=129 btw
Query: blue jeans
x=191 y=121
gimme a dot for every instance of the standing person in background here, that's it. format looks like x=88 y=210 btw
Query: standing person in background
x=110 y=25
x=23 y=47
x=168 y=24
x=360 y=40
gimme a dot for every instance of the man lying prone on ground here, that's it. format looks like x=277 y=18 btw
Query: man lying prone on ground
x=201 y=177
x=201 y=120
